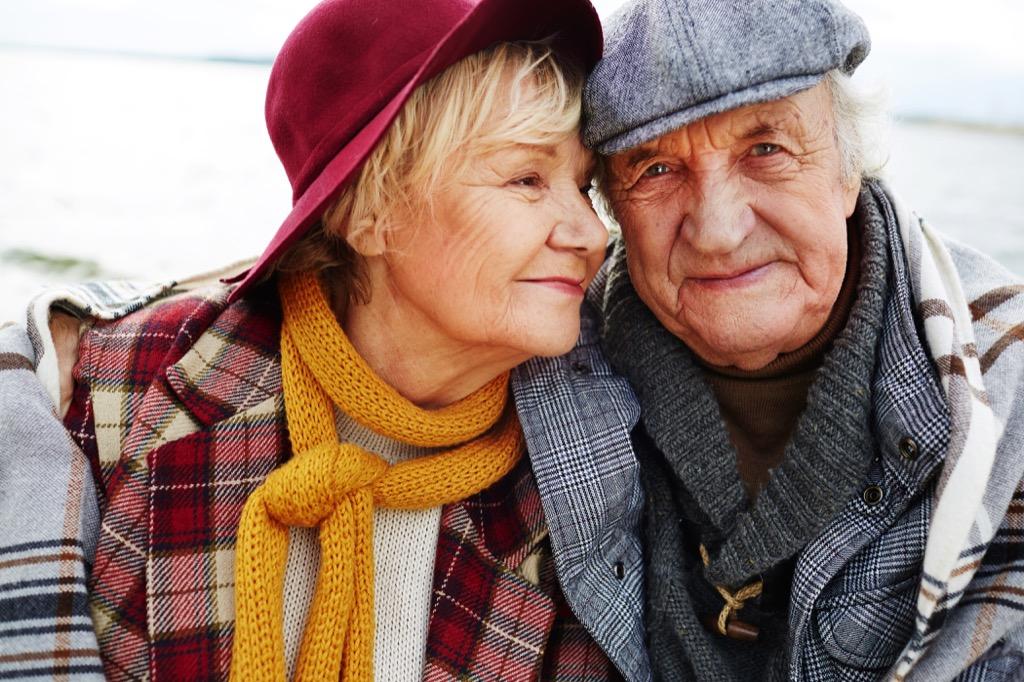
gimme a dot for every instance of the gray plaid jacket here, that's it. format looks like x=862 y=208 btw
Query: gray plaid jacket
x=854 y=590
x=577 y=416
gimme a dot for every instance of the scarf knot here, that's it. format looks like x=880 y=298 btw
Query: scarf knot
x=308 y=487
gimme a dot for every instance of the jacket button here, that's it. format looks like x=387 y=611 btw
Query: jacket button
x=620 y=570
x=580 y=367
x=908 y=449
x=873 y=494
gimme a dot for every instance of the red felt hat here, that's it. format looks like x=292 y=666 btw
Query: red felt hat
x=349 y=66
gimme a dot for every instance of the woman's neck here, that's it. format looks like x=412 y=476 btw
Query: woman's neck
x=409 y=352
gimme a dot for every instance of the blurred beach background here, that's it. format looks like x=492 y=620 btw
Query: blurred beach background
x=133 y=144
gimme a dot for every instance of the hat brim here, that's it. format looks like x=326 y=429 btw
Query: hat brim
x=756 y=94
x=577 y=29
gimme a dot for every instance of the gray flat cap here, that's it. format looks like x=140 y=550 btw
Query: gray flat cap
x=668 y=63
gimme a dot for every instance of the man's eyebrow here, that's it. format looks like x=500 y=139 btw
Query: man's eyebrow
x=762 y=130
x=767 y=124
x=637 y=156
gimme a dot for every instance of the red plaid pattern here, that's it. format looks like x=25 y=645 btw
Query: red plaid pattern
x=489 y=620
x=179 y=407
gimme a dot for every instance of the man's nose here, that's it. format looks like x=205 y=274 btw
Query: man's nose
x=718 y=216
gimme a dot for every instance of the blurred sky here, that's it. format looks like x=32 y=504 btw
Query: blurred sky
x=939 y=58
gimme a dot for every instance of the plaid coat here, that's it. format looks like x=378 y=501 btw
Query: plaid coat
x=178 y=408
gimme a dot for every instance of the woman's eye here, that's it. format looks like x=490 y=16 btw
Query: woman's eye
x=764 y=149
x=527 y=181
x=655 y=170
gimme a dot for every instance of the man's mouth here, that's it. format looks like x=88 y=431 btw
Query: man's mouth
x=730 y=279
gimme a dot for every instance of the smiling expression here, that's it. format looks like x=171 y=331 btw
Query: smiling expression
x=735 y=227
x=505 y=255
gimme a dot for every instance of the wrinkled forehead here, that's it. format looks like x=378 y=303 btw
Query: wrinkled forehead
x=566 y=151
x=802 y=118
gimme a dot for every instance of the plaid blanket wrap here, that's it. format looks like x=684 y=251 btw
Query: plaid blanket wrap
x=178 y=415
x=970 y=602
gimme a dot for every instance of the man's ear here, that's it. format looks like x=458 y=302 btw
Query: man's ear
x=850 y=195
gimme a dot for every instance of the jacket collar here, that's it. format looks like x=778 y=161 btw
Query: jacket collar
x=234 y=365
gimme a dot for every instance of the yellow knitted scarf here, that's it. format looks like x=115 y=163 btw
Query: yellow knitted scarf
x=336 y=485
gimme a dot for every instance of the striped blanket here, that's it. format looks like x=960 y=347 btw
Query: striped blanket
x=971 y=598
x=48 y=499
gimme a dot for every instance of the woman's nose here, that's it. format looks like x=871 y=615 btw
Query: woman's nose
x=578 y=228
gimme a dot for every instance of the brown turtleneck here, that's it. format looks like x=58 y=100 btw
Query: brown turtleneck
x=761 y=407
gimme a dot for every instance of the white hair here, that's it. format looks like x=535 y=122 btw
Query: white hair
x=860 y=126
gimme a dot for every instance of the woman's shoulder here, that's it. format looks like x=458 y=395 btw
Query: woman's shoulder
x=161 y=332
x=128 y=332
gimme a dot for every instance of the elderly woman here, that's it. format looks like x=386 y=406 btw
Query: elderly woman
x=318 y=471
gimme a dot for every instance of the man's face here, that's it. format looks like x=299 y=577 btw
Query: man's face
x=735 y=227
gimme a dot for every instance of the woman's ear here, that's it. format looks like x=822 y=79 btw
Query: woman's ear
x=369 y=241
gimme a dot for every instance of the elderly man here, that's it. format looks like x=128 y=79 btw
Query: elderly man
x=830 y=437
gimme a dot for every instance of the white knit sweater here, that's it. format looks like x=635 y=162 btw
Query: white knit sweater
x=404 y=547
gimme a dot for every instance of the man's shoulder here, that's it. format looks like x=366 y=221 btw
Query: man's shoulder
x=995 y=299
x=981 y=276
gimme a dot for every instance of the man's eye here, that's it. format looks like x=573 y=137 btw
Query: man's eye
x=655 y=170
x=764 y=149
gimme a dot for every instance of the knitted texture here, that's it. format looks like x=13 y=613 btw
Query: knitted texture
x=335 y=486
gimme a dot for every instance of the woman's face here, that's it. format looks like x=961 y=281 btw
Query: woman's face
x=504 y=257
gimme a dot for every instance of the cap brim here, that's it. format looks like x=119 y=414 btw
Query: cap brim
x=655 y=128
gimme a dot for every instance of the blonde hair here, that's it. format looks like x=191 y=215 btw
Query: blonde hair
x=512 y=93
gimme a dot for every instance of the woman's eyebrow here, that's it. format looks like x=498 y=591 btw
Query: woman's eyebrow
x=548 y=150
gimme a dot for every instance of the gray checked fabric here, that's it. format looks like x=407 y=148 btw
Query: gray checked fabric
x=855 y=586
x=577 y=417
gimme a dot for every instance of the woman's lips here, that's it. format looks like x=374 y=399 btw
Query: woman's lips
x=565 y=285
x=732 y=280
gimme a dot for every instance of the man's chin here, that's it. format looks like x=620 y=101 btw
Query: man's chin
x=736 y=340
